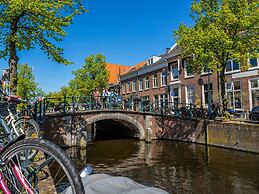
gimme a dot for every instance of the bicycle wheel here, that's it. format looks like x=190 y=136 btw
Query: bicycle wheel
x=27 y=126
x=49 y=171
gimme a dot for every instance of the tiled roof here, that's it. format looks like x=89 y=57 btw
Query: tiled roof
x=115 y=70
x=136 y=67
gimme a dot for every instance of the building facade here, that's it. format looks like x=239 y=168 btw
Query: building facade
x=148 y=81
x=242 y=87
x=167 y=78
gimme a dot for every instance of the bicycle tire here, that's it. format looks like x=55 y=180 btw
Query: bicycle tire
x=31 y=132
x=50 y=151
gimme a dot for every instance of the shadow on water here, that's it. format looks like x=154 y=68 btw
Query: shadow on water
x=174 y=166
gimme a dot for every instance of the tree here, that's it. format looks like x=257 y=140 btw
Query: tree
x=92 y=75
x=223 y=30
x=26 y=85
x=26 y=23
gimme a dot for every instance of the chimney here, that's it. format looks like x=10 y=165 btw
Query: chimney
x=167 y=50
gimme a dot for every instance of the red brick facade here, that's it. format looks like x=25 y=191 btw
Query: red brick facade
x=242 y=87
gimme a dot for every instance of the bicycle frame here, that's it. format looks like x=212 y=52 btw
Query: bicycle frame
x=19 y=176
x=10 y=121
x=15 y=168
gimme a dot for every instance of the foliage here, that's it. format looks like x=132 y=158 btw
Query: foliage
x=92 y=75
x=26 y=23
x=26 y=86
x=223 y=30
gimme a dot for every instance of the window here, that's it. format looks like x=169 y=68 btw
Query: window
x=145 y=102
x=206 y=70
x=155 y=81
x=163 y=78
x=233 y=90
x=156 y=100
x=206 y=92
x=188 y=70
x=123 y=89
x=134 y=86
x=140 y=84
x=150 y=61
x=127 y=87
x=254 y=63
x=254 y=92
x=147 y=83
x=175 y=96
x=163 y=103
x=190 y=95
x=174 y=71
x=232 y=65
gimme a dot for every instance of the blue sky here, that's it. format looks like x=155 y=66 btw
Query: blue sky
x=125 y=31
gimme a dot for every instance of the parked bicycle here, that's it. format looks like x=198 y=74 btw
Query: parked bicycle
x=48 y=171
x=20 y=123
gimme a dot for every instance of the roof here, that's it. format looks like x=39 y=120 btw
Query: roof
x=135 y=67
x=115 y=70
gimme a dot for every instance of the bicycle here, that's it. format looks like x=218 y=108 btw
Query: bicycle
x=49 y=171
x=21 y=124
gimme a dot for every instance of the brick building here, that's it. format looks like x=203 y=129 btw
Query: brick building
x=167 y=78
x=146 y=80
x=242 y=87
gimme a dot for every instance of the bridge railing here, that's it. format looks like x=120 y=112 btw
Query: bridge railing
x=87 y=103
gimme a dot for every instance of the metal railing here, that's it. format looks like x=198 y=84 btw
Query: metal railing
x=89 y=103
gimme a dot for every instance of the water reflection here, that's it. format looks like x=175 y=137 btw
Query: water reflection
x=175 y=167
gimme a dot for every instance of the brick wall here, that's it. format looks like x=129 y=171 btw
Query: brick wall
x=149 y=92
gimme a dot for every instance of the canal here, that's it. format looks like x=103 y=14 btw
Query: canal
x=174 y=166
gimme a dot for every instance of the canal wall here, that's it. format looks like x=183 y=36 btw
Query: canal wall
x=227 y=134
x=235 y=135
x=75 y=129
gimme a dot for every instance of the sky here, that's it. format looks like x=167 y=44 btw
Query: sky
x=125 y=31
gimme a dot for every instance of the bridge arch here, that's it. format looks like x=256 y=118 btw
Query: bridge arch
x=118 y=116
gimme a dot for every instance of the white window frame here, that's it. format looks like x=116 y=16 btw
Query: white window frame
x=171 y=71
x=147 y=81
x=141 y=85
x=233 y=90
x=155 y=76
x=134 y=86
x=161 y=78
x=250 y=90
x=232 y=71
x=179 y=94
x=186 y=94
x=185 y=70
x=203 y=95
x=206 y=73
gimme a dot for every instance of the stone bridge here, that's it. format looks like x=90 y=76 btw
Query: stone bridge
x=72 y=129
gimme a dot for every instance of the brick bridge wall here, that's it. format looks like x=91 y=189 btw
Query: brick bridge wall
x=66 y=129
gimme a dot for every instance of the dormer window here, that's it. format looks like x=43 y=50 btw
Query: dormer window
x=150 y=61
x=153 y=60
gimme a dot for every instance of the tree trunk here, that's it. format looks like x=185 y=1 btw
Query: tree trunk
x=223 y=88
x=218 y=88
x=13 y=60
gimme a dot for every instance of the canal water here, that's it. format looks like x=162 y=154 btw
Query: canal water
x=174 y=166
